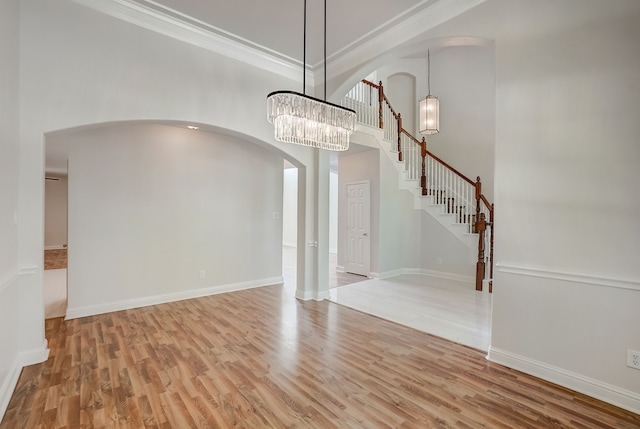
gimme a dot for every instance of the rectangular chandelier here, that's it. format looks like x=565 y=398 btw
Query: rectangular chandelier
x=309 y=121
x=429 y=115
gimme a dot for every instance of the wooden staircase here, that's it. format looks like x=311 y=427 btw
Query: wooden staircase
x=456 y=201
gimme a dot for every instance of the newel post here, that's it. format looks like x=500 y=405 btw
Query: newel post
x=423 y=153
x=380 y=100
x=478 y=194
x=399 y=137
x=481 y=226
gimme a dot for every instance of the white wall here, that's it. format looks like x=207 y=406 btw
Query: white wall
x=463 y=78
x=568 y=102
x=290 y=207
x=9 y=159
x=401 y=92
x=400 y=229
x=55 y=213
x=150 y=207
x=135 y=75
x=333 y=211
x=442 y=253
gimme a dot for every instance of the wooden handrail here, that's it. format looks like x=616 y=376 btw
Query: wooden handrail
x=462 y=176
x=376 y=86
x=416 y=141
x=481 y=223
x=487 y=203
x=386 y=100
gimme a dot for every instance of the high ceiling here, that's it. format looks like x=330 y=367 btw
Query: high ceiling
x=278 y=24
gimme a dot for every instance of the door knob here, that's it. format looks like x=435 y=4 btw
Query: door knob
x=364 y=233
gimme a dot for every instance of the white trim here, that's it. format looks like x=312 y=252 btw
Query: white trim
x=171 y=23
x=55 y=247
x=34 y=356
x=92 y=310
x=311 y=295
x=423 y=272
x=304 y=295
x=7 y=388
x=449 y=276
x=622 y=398
x=28 y=270
x=25 y=358
x=413 y=26
x=340 y=268
x=287 y=244
x=168 y=22
x=569 y=277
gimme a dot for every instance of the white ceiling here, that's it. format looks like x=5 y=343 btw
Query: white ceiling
x=278 y=24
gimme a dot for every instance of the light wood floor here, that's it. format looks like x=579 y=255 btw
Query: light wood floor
x=261 y=359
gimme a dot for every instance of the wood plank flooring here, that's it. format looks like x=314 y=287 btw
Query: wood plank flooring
x=261 y=359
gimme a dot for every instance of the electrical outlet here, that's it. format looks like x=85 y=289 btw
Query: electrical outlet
x=633 y=359
x=202 y=274
x=439 y=261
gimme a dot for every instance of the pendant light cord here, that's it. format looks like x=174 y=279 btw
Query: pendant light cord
x=304 y=51
x=428 y=72
x=325 y=50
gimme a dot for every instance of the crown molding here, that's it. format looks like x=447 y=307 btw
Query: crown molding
x=398 y=30
x=373 y=45
x=167 y=22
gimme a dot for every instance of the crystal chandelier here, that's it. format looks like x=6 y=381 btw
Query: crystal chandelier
x=429 y=107
x=308 y=121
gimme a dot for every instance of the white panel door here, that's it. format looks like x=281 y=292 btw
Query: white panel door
x=358 y=238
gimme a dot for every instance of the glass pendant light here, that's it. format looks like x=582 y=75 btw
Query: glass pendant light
x=429 y=107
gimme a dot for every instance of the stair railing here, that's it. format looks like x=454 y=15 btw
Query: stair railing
x=460 y=195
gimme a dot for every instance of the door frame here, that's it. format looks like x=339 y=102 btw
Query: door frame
x=367 y=262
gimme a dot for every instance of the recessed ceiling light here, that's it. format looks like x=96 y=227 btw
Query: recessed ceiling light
x=192 y=127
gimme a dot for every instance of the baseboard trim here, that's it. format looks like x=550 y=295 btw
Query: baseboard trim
x=597 y=389
x=75 y=313
x=311 y=295
x=25 y=358
x=55 y=247
x=569 y=277
x=34 y=356
x=339 y=268
x=389 y=274
x=8 y=386
x=423 y=272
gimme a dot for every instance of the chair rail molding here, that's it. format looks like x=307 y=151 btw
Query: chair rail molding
x=568 y=276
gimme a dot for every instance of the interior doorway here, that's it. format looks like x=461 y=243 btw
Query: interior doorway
x=55 y=246
x=358 y=258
